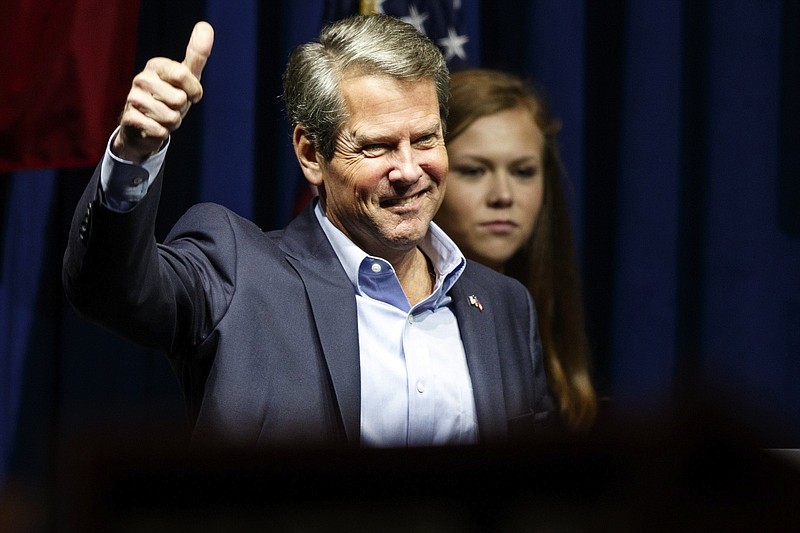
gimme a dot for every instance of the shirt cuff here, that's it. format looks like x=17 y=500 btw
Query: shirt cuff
x=124 y=183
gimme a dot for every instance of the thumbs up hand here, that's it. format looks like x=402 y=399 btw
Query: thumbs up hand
x=160 y=97
x=199 y=48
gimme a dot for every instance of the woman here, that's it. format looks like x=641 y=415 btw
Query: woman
x=504 y=207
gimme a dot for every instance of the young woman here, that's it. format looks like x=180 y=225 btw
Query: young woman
x=504 y=207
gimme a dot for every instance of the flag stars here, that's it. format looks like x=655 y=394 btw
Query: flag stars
x=416 y=19
x=446 y=17
x=453 y=44
x=377 y=6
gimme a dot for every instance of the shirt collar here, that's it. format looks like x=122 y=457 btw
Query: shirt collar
x=447 y=260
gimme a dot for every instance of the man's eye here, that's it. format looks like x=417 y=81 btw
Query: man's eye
x=427 y=140
x=372 y=150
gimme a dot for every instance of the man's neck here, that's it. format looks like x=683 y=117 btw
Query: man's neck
x=416 y=276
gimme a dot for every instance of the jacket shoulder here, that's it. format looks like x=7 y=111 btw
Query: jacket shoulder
x=210 y=214
x=483 y=276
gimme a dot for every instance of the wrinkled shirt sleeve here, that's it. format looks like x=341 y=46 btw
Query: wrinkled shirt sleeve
x=124 y=183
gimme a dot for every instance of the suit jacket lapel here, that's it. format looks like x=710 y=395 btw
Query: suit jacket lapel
x=334 y=307
x=483 y=360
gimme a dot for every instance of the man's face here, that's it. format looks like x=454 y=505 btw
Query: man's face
x=387 y=175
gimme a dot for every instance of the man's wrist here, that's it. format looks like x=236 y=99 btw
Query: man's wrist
x=130 y=144
x=124 y=182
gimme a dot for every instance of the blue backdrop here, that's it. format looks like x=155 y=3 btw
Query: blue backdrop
x=680 y=138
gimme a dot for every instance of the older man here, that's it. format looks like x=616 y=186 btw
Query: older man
x=360 y=323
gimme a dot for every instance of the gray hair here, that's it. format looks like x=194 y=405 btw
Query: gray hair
x=367 y=44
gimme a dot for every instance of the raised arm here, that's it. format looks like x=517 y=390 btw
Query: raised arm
x=113 y=272
x=160 y=97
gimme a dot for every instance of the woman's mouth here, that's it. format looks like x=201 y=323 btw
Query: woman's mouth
x=499 y=226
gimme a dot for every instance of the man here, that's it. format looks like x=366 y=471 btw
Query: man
x=361 y=323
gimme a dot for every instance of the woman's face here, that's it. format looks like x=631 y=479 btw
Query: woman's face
x=495 y=186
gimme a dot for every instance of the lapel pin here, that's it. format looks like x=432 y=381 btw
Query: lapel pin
x=474 y=302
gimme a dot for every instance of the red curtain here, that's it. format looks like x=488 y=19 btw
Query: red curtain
x=65 y=68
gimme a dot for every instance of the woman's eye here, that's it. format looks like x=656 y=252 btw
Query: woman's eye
x=470 y=172
x=525 y=172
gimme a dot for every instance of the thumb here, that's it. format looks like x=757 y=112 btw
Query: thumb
x=199 y=48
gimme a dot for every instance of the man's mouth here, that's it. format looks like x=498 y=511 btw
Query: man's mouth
x=400 y=202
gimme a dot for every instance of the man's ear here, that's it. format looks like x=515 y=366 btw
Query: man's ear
x=307 y=156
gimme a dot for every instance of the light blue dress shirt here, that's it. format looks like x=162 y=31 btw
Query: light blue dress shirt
x=415 y=385
x=124 y=183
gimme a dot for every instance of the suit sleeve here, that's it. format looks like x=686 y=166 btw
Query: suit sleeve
x=115 y=274
x=542 y=400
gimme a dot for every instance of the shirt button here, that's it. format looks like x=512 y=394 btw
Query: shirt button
x=420 y=387
x=376 y=267
x=137 y=180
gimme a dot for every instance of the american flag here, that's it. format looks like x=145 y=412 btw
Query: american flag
x=451 y=24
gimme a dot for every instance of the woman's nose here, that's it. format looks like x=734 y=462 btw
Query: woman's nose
x=500 y=194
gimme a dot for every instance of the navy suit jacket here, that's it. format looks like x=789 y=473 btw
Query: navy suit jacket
x=261 y=327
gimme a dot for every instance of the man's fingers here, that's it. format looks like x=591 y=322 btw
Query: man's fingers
x=161 y=95
x=199 y=48
x=139 y=137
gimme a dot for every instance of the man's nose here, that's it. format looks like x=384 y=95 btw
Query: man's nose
x=406 y=165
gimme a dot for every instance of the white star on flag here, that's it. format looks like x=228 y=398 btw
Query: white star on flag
x=448 y=23
x=378 y=6
x=453 y=44
x=416 y=19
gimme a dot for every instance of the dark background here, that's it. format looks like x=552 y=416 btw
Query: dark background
x=680 y=136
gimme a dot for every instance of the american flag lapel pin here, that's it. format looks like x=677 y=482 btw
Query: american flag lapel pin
x=474 y=302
